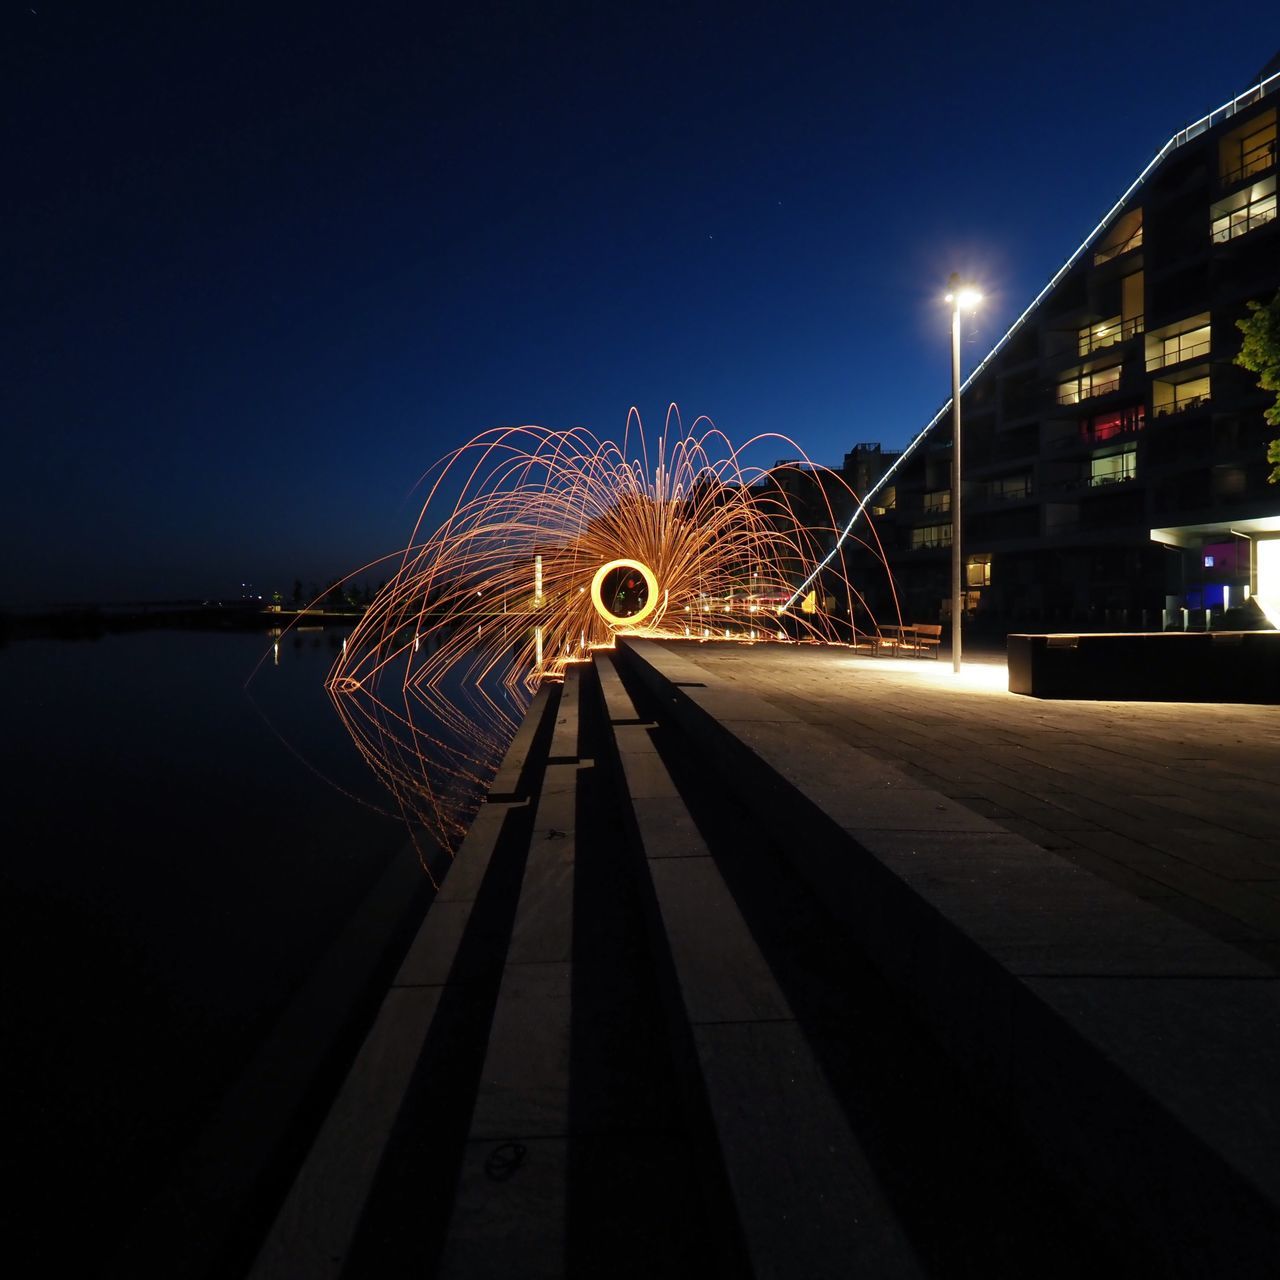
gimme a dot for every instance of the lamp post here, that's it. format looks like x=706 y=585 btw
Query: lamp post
x=959 y=295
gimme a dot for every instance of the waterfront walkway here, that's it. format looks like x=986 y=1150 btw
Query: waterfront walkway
x=778 y=961
x=1177 y=803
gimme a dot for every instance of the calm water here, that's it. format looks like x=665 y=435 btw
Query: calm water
x=171 y=871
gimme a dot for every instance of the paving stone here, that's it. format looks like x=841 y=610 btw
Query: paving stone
x=524 y=1088
x=316 y=1224
x=810 y=1204
x=1218 y=1082
x=667 y=830
x=722 y=975
x=509 y=1211
x=467 y=870
x=1038 y=914
x=430 y=960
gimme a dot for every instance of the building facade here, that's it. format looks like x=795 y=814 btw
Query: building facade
x=1114 y=456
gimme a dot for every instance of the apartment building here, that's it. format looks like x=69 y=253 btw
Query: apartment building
x=1114 y=456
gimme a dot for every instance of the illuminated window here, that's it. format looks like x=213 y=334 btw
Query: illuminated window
x=934 y=535
x=1177 y=397
x=977 y=571
x=1125 y=234
x=1243 y=212
x=1248 y=150
x=937 y=501
x=1189 y=340
x=1106 y=333
x=1106 y=426
x=1114 y=468
x=1081 y=386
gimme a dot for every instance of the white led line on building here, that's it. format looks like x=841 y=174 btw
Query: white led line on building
x=1224 y=112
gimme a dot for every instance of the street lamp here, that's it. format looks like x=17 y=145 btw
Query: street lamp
x=959 y=295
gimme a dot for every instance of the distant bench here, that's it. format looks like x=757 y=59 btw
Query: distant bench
x=917 y=639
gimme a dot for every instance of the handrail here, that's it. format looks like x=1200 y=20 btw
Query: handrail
x=1190 y=352
x=1077 y=391
x=1260 y=159
x=1108 y=333
x=1115 y=251
x=1242 y=226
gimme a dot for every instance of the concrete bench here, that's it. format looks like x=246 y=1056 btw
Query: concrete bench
x=1174 y=666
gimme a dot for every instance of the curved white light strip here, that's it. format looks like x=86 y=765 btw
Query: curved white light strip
x=1224 y=112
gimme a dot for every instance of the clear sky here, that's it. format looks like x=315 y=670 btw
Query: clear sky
x=263 y=265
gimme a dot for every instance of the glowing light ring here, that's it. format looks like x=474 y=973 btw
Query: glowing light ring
x=489 y=598
x=650 y=581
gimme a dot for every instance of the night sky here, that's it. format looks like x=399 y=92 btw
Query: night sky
x=263 y=265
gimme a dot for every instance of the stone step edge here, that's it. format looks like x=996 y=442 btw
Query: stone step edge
x=316 y=1223
x=806 y=1198
x=1061 y=1067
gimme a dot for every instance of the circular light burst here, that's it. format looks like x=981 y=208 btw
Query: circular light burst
x=644 y=607
x=505 y=590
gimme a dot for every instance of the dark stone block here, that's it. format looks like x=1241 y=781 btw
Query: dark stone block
x=1176 y=666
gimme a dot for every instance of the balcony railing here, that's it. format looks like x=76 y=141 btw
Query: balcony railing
x=1256 y=160
x=1116 y=250
x=1073 y=393
x=1229 y=226
x=1112 y=477
x=1108 y=333
x=1179 y=352
x=1182 y=406
x=931 y=541
x=1009 y=494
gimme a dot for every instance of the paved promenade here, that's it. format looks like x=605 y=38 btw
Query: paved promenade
x=1175 y=803
x=830 y=965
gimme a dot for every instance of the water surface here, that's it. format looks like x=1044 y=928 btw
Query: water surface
x=176 y=858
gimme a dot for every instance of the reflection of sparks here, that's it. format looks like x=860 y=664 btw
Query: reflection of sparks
x=505 y=592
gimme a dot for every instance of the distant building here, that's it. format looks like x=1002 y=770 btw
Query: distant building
x=1114 y=456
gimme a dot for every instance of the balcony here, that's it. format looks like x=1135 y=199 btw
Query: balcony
x=1108 y=333
x=1112 y=477
x=1089 y=386
x=1257 y=158
x=1192 y=345
x=1123 y=237
x=931 y=538
x=1118 y=250
x=1181 y=405
x=1244 y=212
x=1000 y=491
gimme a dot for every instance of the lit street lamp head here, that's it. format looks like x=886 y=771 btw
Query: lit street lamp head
x=964 y=296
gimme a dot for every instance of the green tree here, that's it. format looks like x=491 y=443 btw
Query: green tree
x=1260 y=354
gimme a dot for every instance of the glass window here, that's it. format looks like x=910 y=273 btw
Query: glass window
x=1113 y=468
x=1105 y=426
x=1124 y=235
x=934 y=535
x=977 y=570
x=937 y=501
x=1243 y=212
x=1081 y=386
x=1174 y=397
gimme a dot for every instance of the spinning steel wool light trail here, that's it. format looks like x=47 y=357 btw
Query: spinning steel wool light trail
x=557 y=543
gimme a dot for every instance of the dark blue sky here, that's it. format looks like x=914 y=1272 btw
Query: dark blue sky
x=264 y=265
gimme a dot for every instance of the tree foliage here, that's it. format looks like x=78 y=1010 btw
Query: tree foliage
x=1260 y=354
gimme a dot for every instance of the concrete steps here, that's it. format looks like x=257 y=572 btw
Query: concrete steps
x=805 y=1196
x=637 y=1033
x=1139 y=1056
